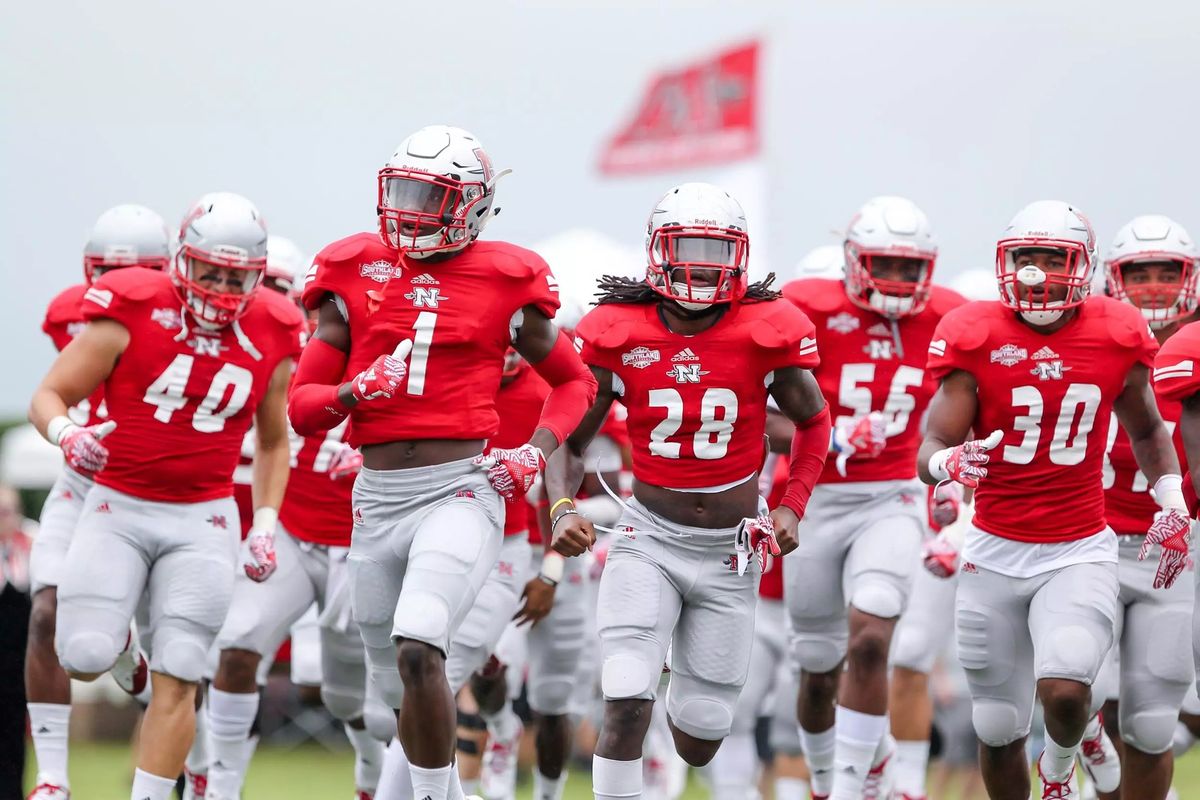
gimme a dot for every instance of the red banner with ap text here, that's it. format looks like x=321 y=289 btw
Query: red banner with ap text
x=705 y=113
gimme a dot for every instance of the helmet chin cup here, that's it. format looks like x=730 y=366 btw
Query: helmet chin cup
x=890 y=305
x=1047 y=316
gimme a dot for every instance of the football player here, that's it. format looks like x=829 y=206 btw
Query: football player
x=413 y=325
x=123 y=236
x=860 y=543
x=1036 y=376
x=187 y=361
x=693 y=351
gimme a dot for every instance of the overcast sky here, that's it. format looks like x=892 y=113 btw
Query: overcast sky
x=971 y=111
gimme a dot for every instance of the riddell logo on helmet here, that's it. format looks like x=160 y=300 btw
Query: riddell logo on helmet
x=710 y=222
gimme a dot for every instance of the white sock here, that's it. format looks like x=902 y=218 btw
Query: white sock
x=616 y=779
x=230 y=717
x=395 y=782
x=197 y=757
x=791 y=789
x=1057 y=760
x=249 y=748
x=470 y=786
x=504 y=724
x=732 y=770
x=49 y=723
x=819 y=750
x=548 y=788
x=857 y=736
x=455 y=786
x=430 y=783
x=368 y=758
x=1182 y=743
x=151 y=787
x=910 y=766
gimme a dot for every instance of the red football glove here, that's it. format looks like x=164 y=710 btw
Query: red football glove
x=346 y=461
x=861 y=437
x=81 y=446
x=940 y=556
x=1171 y=529
x=258 y=554
x=762 y=539
x=383 y=377
x=966 y=463
x=512 y=471
x=945 y=502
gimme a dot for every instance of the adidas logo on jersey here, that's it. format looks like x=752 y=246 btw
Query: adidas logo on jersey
x=358 y=517
x=103 y=508
x=685 y=354
x=426 y=279
x=1045 y=352
x=879 y=329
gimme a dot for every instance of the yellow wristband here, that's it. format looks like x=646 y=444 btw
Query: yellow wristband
x=558 y=503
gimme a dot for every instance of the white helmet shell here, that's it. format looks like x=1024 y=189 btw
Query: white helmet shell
x=286 y=262
x=127 y=236
x=826 y=261
x=1153 y=237
x=222 y=229
x=1046 y=225
x=889 y=226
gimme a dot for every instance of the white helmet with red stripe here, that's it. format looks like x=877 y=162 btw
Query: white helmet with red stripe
x=1163 y=295
x=222 y=231
x=890 y=228
x=126 y=236
x=1045 y=228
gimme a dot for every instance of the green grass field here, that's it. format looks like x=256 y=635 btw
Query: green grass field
x=103 y=772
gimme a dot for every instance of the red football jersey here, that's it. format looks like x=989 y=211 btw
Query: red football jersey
x=869 y=365
x=697 y=404
x=63 y=322
x=183 y=400
x=1052 y=396
x=316 y=508
x=1175 y=375
x=1127 y=502
x=458 y=314
x=519 y=405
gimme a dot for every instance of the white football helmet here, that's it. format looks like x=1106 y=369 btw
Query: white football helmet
x=222 y=229
x=286 y=263
x=436 y=192
x=889 y=227
x=126 y=236
x=1046 y=225
x=698 y=228
x=826 y=261
x=1154 y=238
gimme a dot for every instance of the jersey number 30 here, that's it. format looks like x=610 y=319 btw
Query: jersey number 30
x=711 y=440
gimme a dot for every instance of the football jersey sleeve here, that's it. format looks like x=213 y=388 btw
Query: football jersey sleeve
x=63 y=317
x=533 y=282
x=329 y=271
x=1175 y=373
x=953 y=344
x=787 y=336
x=118 y=295
x=599 y=335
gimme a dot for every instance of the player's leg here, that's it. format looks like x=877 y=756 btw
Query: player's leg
x=637 y=610
x=1071 y=621
x=996 y=652
x=190 y=586
x=922 y=634
x=812 y=590
x=260 y=615
x=789 y=771
x=47 y=687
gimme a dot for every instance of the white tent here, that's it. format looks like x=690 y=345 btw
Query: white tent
x=27 y=461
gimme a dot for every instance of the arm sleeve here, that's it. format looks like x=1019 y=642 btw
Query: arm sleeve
x=573 y=389
x=810 y=445
x=313 y=404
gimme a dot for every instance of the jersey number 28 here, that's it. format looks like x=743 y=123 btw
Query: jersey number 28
x=711 y=439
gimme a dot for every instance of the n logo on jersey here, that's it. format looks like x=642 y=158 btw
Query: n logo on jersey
x=1049 y=370
x=686 y=373
x=880 y=349
x=425 y=297
x=207 y=346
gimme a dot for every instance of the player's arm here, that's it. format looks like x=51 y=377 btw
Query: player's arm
x=779 y=431
x=79 y=370
x=319 y=400
x=270 y=474
x=799 y=399
x=565 y=470
x=948 y=424
x=1138 y=414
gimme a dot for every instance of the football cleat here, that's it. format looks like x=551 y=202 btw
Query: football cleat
x=1051 y=790
x=130 y=670
x=195 y=785
x=877 y=785
x=1099 y=759
x=49 y=791
x=499 y=778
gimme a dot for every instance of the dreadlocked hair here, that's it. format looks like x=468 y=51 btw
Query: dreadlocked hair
x=631 y=291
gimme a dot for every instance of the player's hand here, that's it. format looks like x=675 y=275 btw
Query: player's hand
x=940 y=556
x=81 y=446
x=537 y=600
x=383 y=377
x=512 y=471
x=785 y=522
x=1173 y=530
x=258 y=554
x=763 y=540
x=861 y=437
x=945 y=503
x=573 y=535
x=346 y=461
x=967 y=463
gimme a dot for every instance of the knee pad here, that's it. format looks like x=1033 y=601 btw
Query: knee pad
x=701 y=709
x=88 y=653
x=551 y=697
x=1151 y=731
x=996 y=722
x=343 y=703
x=627 y=676
x=380 y=721
x=913 y=649
x=1071 y=652
x=391 y=688
x=424 y=617
x=182 y=658
x=820 y=655
x=462 y=663
x=879 y=598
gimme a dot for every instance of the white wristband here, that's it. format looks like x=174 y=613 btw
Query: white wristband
x=937 y=464
x=265 y=518
x=552 y=567
x=56 y=427
x=1168 y=492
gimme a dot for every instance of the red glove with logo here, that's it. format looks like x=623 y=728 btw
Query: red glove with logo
x=762 y=538
x=258 y=551
x=860 y=437
x=1171 y=529
x=346 y=461
x=940 y=556
x=512 y=471
x=81 y=446
x=945 y=502
x=966 y=463
x=383 y=377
